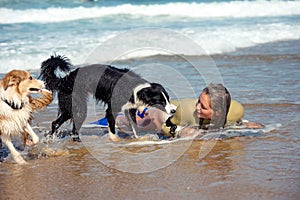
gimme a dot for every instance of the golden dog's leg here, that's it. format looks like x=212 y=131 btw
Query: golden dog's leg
x=15 y=154
x=27 y=142
x=34 y=137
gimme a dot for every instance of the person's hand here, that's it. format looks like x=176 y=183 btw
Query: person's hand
x=253 y=125
x=187 y=132
x=144 y=122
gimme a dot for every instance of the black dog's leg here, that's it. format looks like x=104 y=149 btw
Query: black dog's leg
x=76 y=126
x=111 y=120
x=59 y=121
x=130 y=115
x=79 y=110
x=75 y=134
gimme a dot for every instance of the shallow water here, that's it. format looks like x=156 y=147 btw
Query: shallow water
x=254 y=165
x=262 y=166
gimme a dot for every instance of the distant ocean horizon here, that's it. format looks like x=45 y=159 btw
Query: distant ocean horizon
x=32 y=31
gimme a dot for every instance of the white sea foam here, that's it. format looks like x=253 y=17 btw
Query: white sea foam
x=216 y=41
x=29 y=50
x=235 y=9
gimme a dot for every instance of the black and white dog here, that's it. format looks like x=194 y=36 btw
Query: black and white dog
x=119 y=89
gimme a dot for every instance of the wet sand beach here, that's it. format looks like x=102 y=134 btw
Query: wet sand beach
x=265 y=166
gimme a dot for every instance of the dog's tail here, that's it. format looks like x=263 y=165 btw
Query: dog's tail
x=54 y=69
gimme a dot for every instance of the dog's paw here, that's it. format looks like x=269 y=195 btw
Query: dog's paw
x=113 y=137
x=35 y=139
x=19 y=159
x=76 y=139
x=28 y=143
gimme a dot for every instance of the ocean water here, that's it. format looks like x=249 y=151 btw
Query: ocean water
x=253 y=47
x=32 y=30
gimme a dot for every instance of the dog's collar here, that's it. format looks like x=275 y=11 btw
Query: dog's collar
x=13 y=105
x=142 y=115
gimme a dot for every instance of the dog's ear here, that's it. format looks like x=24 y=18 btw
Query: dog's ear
x=10 y=81
x=5 y=82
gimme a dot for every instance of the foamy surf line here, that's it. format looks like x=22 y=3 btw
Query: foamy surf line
x=226 y=134
x=212 y=46
x=236 y=9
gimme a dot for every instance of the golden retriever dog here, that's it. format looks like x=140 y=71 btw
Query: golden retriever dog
x=17 y=106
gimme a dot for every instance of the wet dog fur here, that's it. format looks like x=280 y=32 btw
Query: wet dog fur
x=16 y=108
x=119 y=89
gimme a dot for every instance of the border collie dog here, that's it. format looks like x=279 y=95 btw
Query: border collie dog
x=119 y=89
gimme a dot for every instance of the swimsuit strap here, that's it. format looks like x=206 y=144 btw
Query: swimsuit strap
x=142 y=115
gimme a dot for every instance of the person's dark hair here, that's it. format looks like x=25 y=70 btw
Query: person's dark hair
x=220 y=102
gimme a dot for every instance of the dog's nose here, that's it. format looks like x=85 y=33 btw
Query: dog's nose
x=173 y=111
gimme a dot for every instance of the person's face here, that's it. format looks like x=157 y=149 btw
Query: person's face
x=203 y=107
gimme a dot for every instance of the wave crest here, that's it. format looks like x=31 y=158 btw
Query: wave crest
x=236 y=9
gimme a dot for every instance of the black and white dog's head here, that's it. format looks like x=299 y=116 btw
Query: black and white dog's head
x=153 y=95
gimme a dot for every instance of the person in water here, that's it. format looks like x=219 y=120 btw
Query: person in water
x=214 y=109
